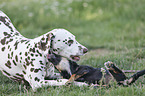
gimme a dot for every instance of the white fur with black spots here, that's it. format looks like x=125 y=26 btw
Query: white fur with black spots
x=25 y=60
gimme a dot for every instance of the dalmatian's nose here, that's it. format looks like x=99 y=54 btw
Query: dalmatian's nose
x=85 y=50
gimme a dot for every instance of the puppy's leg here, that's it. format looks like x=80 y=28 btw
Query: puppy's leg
x=118 y=75
x=72 y=78
x=78 y=74
x=135 y=76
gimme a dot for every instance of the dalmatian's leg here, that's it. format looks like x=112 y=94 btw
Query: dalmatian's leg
x=37 y=83
x=36 y=78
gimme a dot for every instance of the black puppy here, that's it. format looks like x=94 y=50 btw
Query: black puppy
x=72 y=71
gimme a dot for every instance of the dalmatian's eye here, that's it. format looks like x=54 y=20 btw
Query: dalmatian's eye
x=70 y=42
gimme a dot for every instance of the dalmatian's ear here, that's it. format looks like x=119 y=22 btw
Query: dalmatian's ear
x=42 y=46
x=46 y=41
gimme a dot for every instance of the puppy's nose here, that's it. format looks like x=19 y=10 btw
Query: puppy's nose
x=85 y=50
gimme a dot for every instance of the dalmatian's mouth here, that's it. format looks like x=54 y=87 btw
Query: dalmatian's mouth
x=75 y=58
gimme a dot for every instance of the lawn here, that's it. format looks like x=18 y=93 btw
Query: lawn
x=112 y=30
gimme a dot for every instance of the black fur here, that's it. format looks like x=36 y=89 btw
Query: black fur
x=94 y=75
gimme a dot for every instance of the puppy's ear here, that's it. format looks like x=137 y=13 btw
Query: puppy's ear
x=48 y=56
x=51 y=56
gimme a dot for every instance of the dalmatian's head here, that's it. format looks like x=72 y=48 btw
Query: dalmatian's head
x=64 y=44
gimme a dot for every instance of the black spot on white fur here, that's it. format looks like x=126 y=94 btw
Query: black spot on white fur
x=3 y=49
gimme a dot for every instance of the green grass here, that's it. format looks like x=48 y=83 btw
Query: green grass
x=112 y=30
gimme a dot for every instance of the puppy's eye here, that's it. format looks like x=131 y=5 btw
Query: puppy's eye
x=70 y=42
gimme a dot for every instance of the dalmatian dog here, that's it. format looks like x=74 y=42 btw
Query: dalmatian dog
x=25 y=60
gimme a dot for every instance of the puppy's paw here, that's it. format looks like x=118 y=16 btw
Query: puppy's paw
x=109 y=65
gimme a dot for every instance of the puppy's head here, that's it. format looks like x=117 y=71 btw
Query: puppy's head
x=54 y=59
